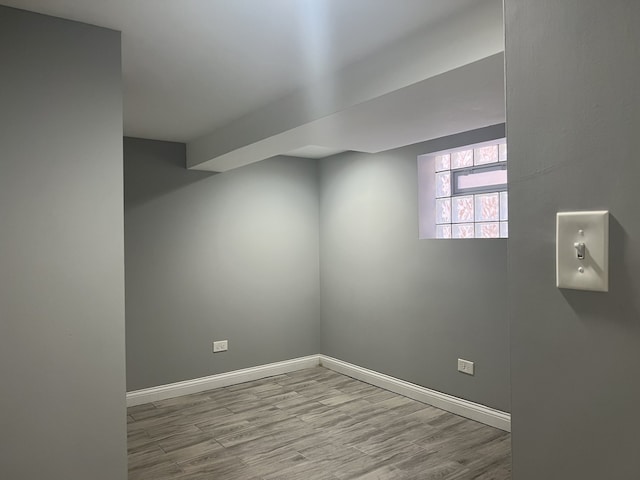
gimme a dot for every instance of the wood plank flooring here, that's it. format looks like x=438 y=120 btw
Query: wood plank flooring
x=313 y=424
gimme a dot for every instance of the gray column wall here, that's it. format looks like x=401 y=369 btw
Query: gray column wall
x=573 y=117
x=62 y=406
x=403 y=306
x=232 y=256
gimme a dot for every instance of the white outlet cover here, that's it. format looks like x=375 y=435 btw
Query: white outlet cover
x=592 y=230
x=465 y=366
x=220 y=346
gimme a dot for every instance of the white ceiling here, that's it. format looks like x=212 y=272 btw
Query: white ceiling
x=196 y=70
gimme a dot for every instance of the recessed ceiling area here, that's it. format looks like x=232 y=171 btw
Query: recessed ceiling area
x=239 y=81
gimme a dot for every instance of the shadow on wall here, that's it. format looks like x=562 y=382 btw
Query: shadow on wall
x=620 y=298
x=167 y=164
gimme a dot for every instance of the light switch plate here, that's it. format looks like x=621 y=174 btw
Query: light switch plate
x=584 y=233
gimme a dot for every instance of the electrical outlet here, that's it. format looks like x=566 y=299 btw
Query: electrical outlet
x=465 y=366
x=220 y=346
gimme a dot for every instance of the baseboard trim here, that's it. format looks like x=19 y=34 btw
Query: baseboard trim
x=171 y=390
x=459 y=406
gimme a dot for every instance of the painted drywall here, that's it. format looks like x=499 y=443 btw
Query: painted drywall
x=232 y=256
x=573 y=116
x=403 y=306
x=62 y=407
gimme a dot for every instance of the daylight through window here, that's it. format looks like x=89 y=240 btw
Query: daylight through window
x=469 y=194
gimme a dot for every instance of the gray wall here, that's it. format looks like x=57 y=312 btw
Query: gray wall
x=232 y=256
x=573 y=117
x=62 y=407
x=403 y=306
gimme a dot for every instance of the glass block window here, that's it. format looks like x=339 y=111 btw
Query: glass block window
x=443 y=184
x=484 y=155
x=462 y=159
x=443 y=211
x=462 y=209
x=464 y=230
x=471 y=198
x=487 y=207
x=443 y=162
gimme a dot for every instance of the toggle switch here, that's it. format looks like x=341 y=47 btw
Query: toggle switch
x=582 y=250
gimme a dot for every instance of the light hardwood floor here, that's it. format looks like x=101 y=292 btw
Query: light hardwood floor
x=313 y=424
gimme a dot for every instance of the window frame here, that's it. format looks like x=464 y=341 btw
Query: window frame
x=458 y=172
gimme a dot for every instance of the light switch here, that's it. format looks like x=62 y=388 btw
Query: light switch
x=582 y=250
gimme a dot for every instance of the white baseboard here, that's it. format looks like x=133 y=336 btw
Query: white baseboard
x=459 y=406
x=171 y=390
